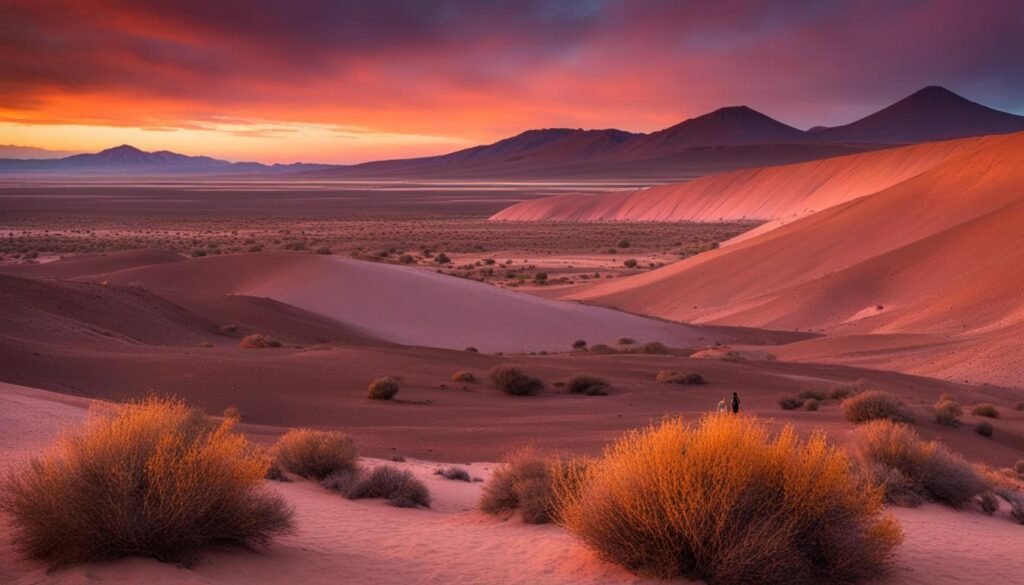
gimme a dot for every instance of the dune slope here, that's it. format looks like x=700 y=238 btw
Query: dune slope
x=410 y=306
x=766 y=193
x=936 y=254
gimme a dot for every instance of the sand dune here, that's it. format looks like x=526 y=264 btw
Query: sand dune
x=938 y=253
x=767 y=193
x=410 y=306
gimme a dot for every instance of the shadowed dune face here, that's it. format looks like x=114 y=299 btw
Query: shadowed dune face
x=936 y=254
x=411 y=306
x=781 y=193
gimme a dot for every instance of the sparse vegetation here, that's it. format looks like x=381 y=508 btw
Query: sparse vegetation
x=674 y=377
x=985 y=409
x=985 y=429
x=233 y=413
x=948 y=412
x=654 y=348
x=512 y=380
x=790 y=403
x=819 y=395
x=463 y=376
x=587 y=384
x=911 y=469
x=989 y=503
x=384 y=388
x=626 y=341
x=523 y=483
x=151 y=479
x=258 y=341
x=676 y=500
x=454 y=473
x=811 y=405
x=398 y=486
x=315 y=454
x=874 y=405
x=579 y=344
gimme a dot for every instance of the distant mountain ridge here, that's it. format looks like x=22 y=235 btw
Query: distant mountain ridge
x=129 y=159
x=726 y=139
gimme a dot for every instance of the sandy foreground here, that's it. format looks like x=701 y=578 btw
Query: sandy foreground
x=341 y=541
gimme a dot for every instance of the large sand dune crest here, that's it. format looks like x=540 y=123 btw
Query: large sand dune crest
x=766 y=193
x=938 y=253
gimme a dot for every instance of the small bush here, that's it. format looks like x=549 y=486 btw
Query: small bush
x=587 y=384
x=930 y=470
x=472 y=349
x=811 y=405
x=315 y=454
x=874 y=405
x=512 y=380
x=989 y=503
x=819 y=395
x=398 y=486
x=727 y=503
x=258 y=341
x=523 y=483
x=150 y=479
x=842 y=392
x=654 y=348
x=463 y=376
x=985 y=429
x=601 y=348
x=626 y=341
x=454 y=473
x=579 y=344
x=324 y=250
x=233 y=413
x=948 y=412
x=275 y=473
x=1017 y=509
x=384 y=388
x=341 y=481
x=790 y=403
x=1019 y=467
x=674 y=377
x=985 y=409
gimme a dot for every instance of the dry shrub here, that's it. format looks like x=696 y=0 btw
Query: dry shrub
x=463 y=376
x=989 y=503
x=626 y=341
x=258 y=341
x=523 y=483
x=601 y=348
x=384 y=388
x=812 y=405
x=727 y=503
x=454 y=473
x=842 y=392
x=315 y=454
x=587 y=384
x=579 y=344
x=151 y=479
x=275 y=473
x=512 y=380
x=1019 y=467
x=398 y=486
x=233 y=413
x=1017 y=509
x=948 y=412
x=985 y=429
x=985 y=409
x=790 y=403
x=819 y=395
x=929 y=469
x=341 y=481
x=674 y=377
x=875 y=405
x=654 y=348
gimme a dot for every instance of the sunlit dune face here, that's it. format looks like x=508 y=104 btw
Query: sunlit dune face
x=343 y=82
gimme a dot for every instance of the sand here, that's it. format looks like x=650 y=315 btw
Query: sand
x=369 y=542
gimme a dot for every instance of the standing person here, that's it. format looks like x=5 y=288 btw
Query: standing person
x=735 y=403
x=721 y=405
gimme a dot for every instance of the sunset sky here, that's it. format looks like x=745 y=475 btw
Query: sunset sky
x=323 y=81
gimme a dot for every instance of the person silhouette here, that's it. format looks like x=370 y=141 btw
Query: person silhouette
x=735 y=403
x=721 y=405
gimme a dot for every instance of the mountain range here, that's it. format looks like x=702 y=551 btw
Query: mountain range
x=726 y=139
